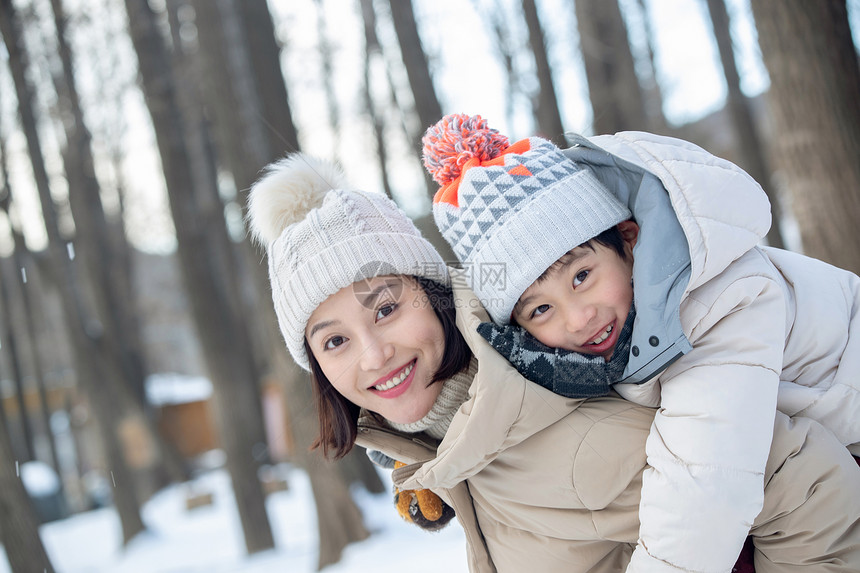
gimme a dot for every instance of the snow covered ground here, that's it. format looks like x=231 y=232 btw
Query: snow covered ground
x=208 y=539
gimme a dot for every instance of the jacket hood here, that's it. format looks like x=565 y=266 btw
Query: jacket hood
x=685 y=201
x=722 y=211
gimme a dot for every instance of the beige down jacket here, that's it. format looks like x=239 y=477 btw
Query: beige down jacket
x=541 y=483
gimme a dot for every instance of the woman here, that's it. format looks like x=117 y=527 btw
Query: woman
x=539 y=482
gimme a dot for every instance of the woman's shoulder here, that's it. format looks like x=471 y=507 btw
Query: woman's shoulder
x=374 y=434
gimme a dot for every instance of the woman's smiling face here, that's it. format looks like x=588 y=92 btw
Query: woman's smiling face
x=379 y=343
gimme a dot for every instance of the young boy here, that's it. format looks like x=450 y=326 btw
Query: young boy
x=635 y=265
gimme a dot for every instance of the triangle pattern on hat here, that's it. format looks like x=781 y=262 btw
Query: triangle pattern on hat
x=515 y=200
x=560 y=172
x=494 y=173
x=467 y=194
x=476 y=203
x=478 y=212
x=442 y=215
x=466 y=244
x=520 y=171
x=487 y=225
x=543 y=180
x=545 y=161
x=478 y=185
x=457 y=231
x=505 y=187
x=499 y=212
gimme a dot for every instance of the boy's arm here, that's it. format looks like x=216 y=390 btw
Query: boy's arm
x=711 y=436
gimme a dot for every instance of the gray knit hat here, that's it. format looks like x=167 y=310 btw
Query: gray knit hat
x=321 y=237
x=510 y=211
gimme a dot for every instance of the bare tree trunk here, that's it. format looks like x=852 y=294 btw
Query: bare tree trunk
x=252 y=83
x=19 y=526
x=92 y=230
x=399 y=109
x=357 y=468
x=339 y=520
x=19 y=251
x=10 y=343
x=18 y=256
x=415 y=60
x=751 y=152
x=613 y=87
x=505 y=49
x=89 y=351
x=113 y=130
x=546 y=109
x=815 y=82
x=373 y=49
x=427 y=106
x=424 y=95
x=96 y=245
x=210 y=208
x=325 y=52
x=651 y=92
x=236 y=399
x=264 y=54
x=242 y=136
x=7 y=322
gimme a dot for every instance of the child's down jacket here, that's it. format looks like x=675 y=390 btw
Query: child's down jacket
x=726 y=333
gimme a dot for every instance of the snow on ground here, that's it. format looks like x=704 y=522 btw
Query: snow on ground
x=209 y=539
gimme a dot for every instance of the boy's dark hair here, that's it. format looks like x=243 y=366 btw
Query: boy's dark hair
x=611 y=238
x=338 y=417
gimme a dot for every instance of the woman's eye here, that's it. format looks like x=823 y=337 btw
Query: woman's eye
x=334 y=342
x=579 y=278
x=385 y=311
x=539 y=310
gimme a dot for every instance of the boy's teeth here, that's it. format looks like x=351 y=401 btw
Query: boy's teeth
x=603 y=336
x=395 y=380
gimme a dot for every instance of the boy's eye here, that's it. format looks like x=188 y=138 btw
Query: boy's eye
x=334 y=342
x=539 y=311
x=579 y=278
x=385 y=311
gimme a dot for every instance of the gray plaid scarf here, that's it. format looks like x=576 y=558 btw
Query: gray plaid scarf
x=564 y=372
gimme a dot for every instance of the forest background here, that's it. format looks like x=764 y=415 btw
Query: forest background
x=131 y=129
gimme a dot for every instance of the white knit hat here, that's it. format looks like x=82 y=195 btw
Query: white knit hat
x=322 y=237
x=510 y=211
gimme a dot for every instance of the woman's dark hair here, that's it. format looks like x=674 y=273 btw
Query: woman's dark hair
x=338 y=417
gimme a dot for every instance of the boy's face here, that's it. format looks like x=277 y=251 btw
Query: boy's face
x=583 y=300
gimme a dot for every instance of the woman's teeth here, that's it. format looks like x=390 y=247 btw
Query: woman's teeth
x=396 y=380
x=603 y=336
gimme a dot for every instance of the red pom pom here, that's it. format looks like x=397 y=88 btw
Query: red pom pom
x=454 y=140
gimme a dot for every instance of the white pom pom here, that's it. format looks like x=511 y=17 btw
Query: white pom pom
x=287 y=191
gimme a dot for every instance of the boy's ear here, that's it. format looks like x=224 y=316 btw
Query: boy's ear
x=629 y=232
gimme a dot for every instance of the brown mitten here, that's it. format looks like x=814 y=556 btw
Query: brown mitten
x=422 y=507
